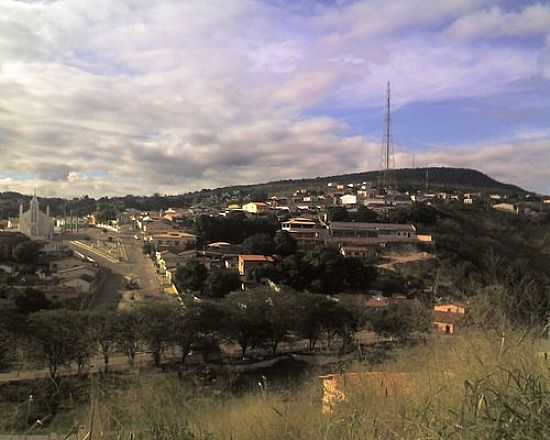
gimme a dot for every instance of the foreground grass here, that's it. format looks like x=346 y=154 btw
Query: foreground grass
x=477 y=386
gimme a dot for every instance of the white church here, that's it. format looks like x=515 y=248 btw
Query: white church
x=34 y=223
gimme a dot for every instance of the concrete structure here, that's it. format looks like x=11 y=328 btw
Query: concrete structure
x=34 y=223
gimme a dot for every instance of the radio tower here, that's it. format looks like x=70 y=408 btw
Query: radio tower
x=387 y=154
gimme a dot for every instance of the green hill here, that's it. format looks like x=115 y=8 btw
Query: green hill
x=437 y=177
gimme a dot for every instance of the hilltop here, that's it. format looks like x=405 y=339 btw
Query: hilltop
x=464 y=179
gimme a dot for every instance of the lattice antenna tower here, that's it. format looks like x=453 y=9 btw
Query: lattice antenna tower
x=387 y=153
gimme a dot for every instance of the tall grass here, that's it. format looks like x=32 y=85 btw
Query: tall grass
x=477 y=386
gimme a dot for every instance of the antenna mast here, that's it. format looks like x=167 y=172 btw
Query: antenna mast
x=388 y=158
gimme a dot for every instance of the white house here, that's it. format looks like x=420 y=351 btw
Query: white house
x=348 y=200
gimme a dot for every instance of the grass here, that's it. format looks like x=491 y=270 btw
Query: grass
x=477 y=386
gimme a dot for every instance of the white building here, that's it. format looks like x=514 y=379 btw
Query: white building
x=34 y=223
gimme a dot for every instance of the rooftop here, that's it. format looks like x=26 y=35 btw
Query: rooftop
x=353 y=226
x=256 y=258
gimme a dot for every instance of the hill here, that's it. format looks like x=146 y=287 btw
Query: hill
x=438 y=178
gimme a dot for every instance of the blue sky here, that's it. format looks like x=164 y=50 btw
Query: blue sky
x=133 y=96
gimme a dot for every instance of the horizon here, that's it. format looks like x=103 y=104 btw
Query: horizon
x=128 y=97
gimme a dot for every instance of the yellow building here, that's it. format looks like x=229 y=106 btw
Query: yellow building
x=256 y=207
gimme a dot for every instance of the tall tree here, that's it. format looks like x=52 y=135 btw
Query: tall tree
x=191 y=276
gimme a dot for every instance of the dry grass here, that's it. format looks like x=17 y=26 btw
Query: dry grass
x=473 y=387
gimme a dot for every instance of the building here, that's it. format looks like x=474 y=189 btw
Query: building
x=447 y=317
x=256 y=207
x=8 y=242
x=307 y=232
x=34 y=223
x=357 y=233
x=172 y=239
x=249 y=262
x=348 y=200
x=506 y=207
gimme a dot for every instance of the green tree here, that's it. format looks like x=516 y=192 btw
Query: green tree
x=261 y=244
x=285 y=243
x=103 y=333
x=27 y=252
x=401 y=319
x=365 y=215
x=157 y=328
x=191 y=276
x=31 y=300
x=246 y=319
x=128 y=332
x=57 y=338
x=338 y=214
x=221 y=282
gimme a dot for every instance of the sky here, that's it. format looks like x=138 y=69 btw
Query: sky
x=115 y=97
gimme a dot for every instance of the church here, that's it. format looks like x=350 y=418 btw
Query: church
x=34 y=223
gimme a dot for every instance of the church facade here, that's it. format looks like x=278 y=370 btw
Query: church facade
x=34 y=223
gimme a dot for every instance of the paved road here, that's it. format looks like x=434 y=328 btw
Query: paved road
x=132 y=263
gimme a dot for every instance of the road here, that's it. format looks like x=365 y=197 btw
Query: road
x=132 y=263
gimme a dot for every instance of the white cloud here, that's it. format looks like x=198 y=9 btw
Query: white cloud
x=495 y=22
x=135 y=96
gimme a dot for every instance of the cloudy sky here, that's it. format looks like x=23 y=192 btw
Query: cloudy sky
x=139 y=96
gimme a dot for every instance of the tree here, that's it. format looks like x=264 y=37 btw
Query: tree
x=31 y=300
x=366 y=215
x=191 y=276
x=157 y=328
x=103 y=332
x=338 y=214
x=128 y=327
x=285 y=243
x=401 y=319
x=27 y=252
x=221 y=282
x=246 y=319
x=106 y=214
x=261 y=244
x=58 y=338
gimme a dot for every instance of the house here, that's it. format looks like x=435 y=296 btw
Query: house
x=256 y=207
x=447 y=317
x=506 y=207
x=348 y=200
x=307 y=232
x=468 y=201
x=249 y=262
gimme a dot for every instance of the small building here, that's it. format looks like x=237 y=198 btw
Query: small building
x=348 y=200
x=249 y=262
x=256 y=207
x=506 y=207
x=447 y=317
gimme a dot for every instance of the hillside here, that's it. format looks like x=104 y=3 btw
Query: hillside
x=439 y=178
x=406 y=179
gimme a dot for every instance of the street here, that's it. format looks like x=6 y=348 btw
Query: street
x=122 y=256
